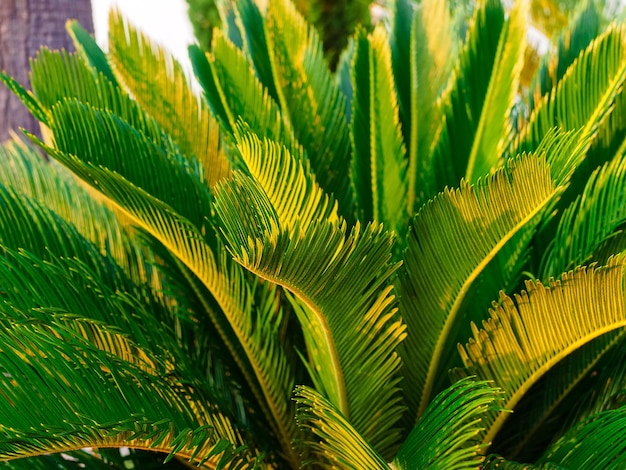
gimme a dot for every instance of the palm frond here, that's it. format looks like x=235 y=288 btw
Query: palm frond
x=591 y=219
x=103 y=138
x=336 y=443
x=590 y=99
x=345 y=284
x=158 y=83
x=47 y=185
x=310 y=99
x=463 y=100
x=453 y=240
x=581 y=31
x=495 y=124
x=598 y=441
x=431 y=57
x=231 y=86
x=378 y=171
x=523 y=340
x=250 y=25
x=87 y=47
x=254 y=354
x=72 y=395
x=447 y=434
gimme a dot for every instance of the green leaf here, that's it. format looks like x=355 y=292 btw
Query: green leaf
x=431 y=57
x=587 y=222
x=73 y=395
x=523 y=340
x=240 y=94
x=310 y=100
x=86 y=45
x=599 y=441
x=337 y=443
x=448 y=433
x=454 y=238
x=589 y=87
x=462 y=103
x=495 y=121
x=344 y=287
x=26 y=97
x=235 y=319
x=378 y=163
x=158 y=83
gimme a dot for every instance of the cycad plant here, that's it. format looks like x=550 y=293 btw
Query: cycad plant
x=411 y=263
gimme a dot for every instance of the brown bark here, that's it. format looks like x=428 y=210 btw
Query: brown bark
x=25 y=26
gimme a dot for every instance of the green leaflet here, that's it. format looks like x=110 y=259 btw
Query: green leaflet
x=495 y=121
x=453 y=240
x=378 y=171
x=591 y=219
x=589 y=100
x=431 y=57
x=223 y=279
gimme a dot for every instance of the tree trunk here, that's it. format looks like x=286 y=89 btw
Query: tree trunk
x=25 y=26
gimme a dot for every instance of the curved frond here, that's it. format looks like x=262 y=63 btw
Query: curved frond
x=255 y=354
x=237 y=91
x=337 y=443
x=586 y=94
x=453 y=240
x=88 y=48
x=72 y=395
x=158 y=83
x=448 y=433
x=589 y=221
x=522 y=340
x=345 y=295
x=598 y=442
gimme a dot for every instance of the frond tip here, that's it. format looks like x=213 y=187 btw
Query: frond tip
x=448 y=433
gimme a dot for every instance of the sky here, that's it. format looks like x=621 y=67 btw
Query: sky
x=165 y=21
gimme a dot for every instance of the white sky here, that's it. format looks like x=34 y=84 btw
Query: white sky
x=165 y=21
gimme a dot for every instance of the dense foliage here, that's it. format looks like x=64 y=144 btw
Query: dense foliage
x=412 y=262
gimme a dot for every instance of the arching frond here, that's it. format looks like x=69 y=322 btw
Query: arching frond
x=255 y=354
x=453 y=240
x=72 y=395
x=524 y=339
x=249 y=22
x=235 y=93
x=88 y=48
x=336 y=442
x=597 y=442
x=448 y=433
x=494 y=126
x=590 y=99
x=347 y=307
x=158 y=83
x=590 y=220
x=430 y=57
